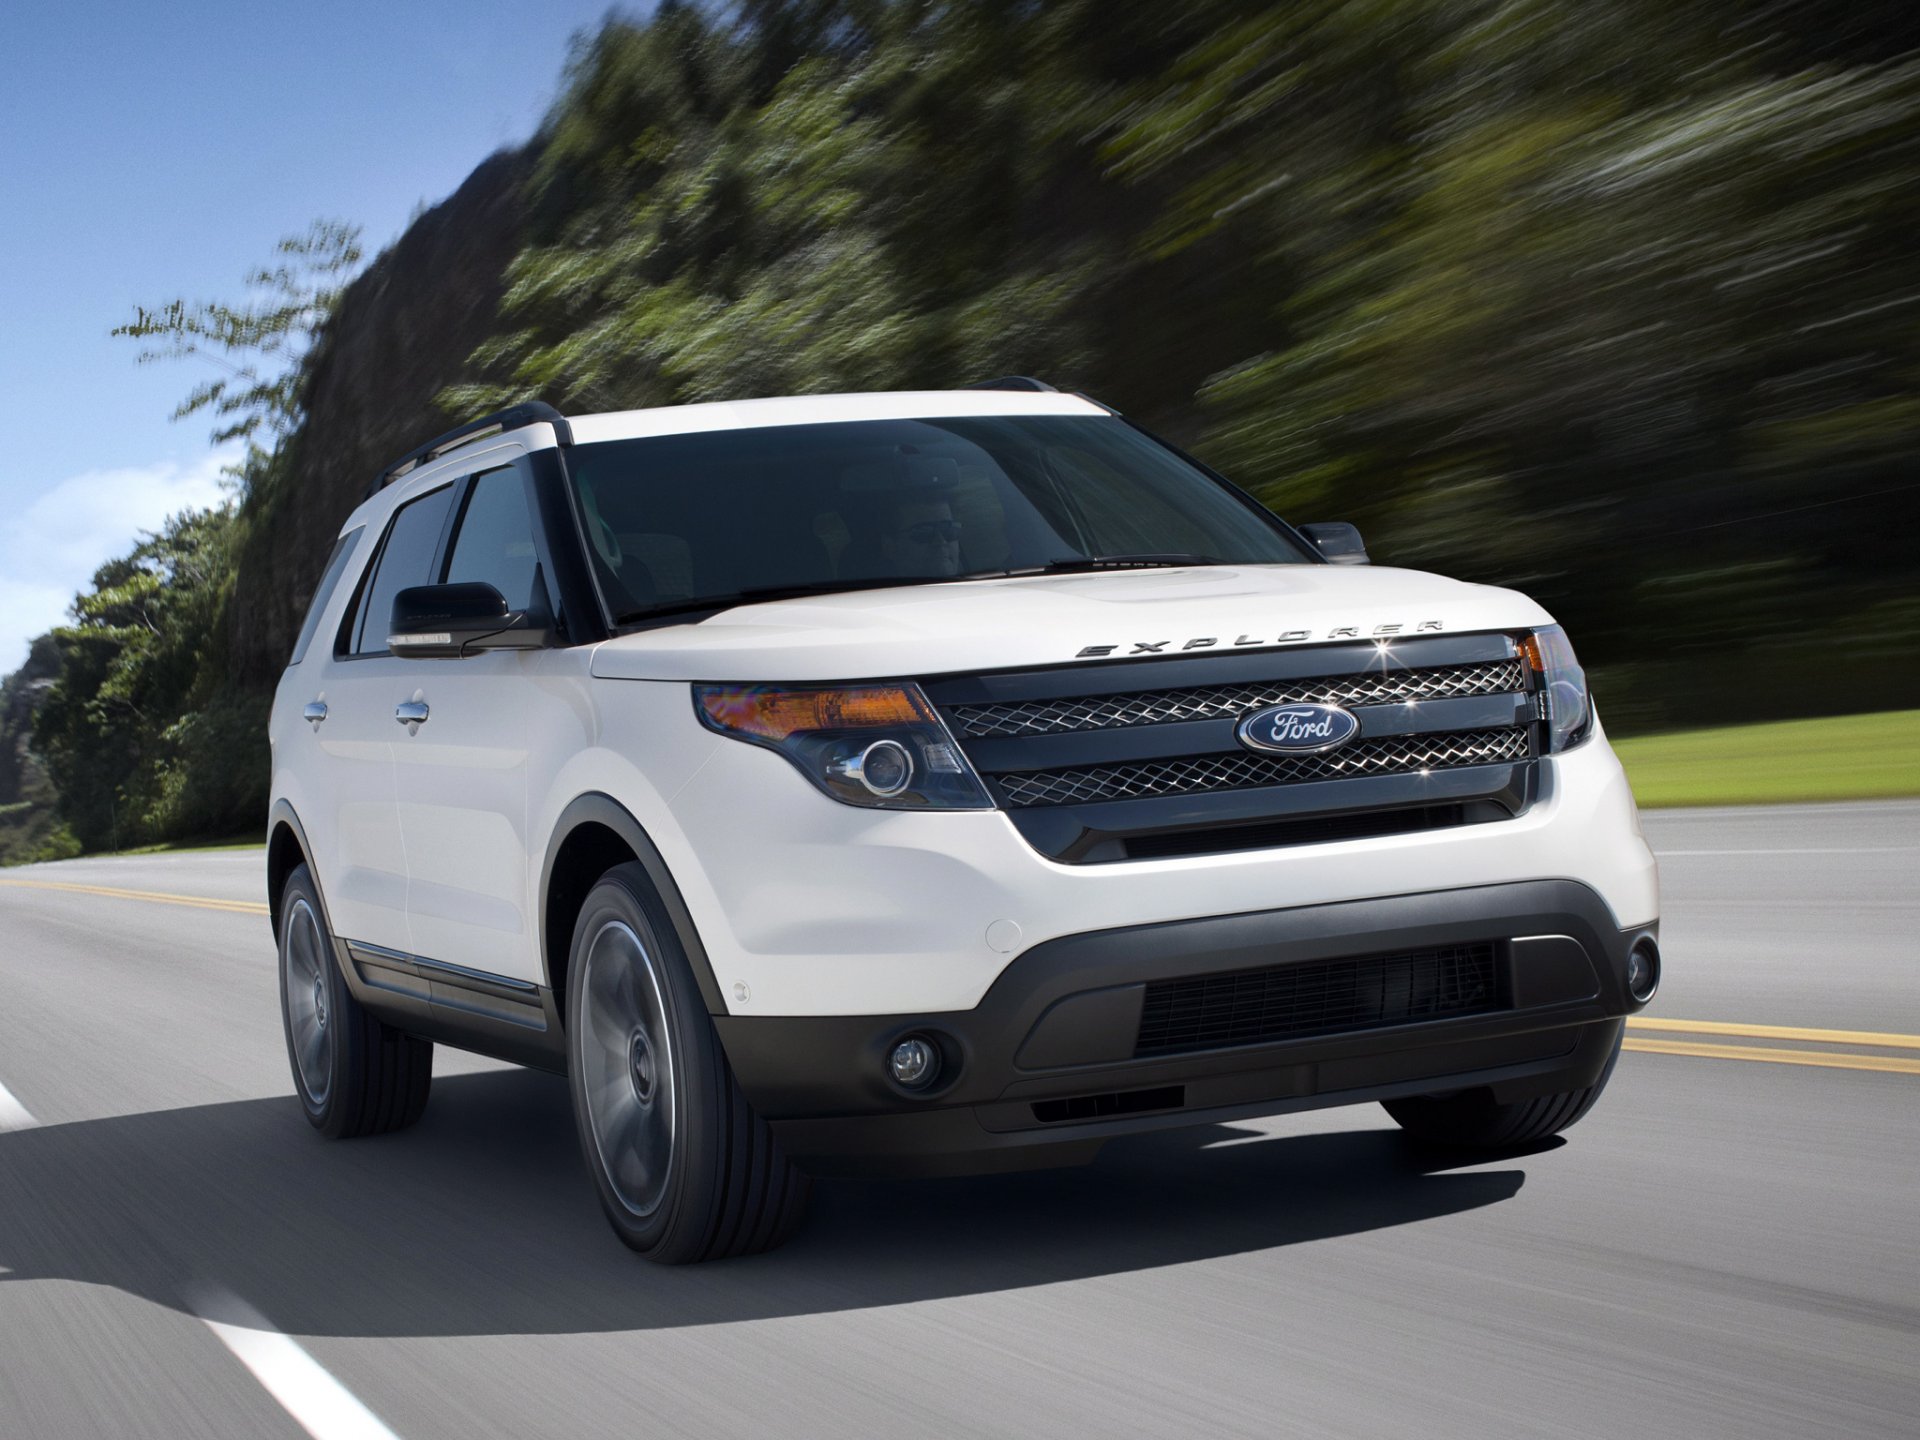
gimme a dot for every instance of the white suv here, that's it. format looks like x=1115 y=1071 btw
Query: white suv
x=928 y=782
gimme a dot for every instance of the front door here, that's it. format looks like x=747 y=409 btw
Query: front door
x=461 y=772
x=358 y=684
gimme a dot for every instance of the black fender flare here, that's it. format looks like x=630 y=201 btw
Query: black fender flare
x=283 y=813
x=598 y=809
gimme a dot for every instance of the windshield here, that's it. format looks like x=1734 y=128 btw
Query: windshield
x=681 y=522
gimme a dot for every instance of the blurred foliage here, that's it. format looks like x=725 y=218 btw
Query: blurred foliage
x=139 y=726
x=1613 y=302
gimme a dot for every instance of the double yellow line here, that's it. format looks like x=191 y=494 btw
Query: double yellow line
x=159 y=897
x=1828 y=1049
x=1812 y=1047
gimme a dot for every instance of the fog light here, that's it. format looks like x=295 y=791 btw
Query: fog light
x=1643 y=970
x=913 y=1061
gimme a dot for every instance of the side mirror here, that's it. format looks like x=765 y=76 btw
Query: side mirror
x=1338 y=541
x=445 y=622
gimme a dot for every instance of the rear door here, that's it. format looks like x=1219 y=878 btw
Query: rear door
x=461 y=775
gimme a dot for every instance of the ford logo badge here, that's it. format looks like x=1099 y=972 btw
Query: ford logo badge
x=1298 y=729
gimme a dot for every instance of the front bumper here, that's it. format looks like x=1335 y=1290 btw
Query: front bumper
x=807 y=907
x=1044 y=1069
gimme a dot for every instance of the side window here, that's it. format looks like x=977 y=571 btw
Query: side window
x=405 y=559
x=343 y=549
x=495 y=540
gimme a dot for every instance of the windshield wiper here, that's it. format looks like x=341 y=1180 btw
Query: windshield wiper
x=755 y=594
x=1074 y=563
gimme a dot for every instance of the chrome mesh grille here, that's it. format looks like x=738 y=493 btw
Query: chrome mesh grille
x=1390 y=755
x=1159 y=707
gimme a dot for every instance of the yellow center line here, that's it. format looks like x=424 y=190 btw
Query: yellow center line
x=1873 y=1038
x=161 y=897
x=1827 y=1059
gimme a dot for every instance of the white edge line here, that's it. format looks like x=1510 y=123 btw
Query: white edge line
x=325 y=1408
x=1834 y=850
x=14 y=1115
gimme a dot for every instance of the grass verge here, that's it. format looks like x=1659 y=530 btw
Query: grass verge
x=174 y=848
x=1846 y=757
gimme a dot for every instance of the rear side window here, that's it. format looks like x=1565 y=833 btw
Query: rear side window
x=343 y=549
x=495 y=541
x=405 y=559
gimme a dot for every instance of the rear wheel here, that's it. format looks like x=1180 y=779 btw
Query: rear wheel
x=354 y=1075
x=1473 y=1120
x=685 y=1169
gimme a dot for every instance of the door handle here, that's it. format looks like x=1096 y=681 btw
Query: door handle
x=411 y=712
x=316 y=711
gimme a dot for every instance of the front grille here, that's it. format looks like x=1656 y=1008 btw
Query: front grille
x=1139 y=759
x=1187 y=775
x=1325 y=997
x=1213 y=702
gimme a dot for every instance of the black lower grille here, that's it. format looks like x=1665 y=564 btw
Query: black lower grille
x=1119 y=1102
x=1324 y=997
x=1307 y=830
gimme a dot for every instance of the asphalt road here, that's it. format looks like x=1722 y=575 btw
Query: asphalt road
x=1726 y=1246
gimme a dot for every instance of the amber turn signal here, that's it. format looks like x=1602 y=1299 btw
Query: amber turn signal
x=773 y=713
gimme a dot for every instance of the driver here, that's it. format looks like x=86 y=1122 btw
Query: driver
x=921 y=538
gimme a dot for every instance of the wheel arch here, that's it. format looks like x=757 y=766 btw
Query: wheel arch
x=594 y=833
x=287 y=850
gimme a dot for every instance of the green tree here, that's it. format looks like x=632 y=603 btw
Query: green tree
x=143 y=734
x=29 y=827
x=127 y=730
x=259 y=345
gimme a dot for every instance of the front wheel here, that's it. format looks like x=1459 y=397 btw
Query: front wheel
x=1472 y=1120
x=685 y=1169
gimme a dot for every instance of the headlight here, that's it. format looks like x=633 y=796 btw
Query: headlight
x=1564 y=702
x=876 y=745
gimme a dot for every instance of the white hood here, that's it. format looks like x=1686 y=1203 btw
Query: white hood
x=1055 y=619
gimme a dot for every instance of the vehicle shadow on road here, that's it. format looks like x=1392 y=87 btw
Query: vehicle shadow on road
x=481 y=1220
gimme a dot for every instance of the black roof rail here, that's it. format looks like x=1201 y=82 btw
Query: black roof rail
x=1012 y=382
x=511 y=418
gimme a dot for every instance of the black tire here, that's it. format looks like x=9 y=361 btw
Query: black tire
x=353 y=1074
x=684 y=1168
x=1473 y=1120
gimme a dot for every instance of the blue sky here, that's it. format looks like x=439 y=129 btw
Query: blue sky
x=149 y=151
